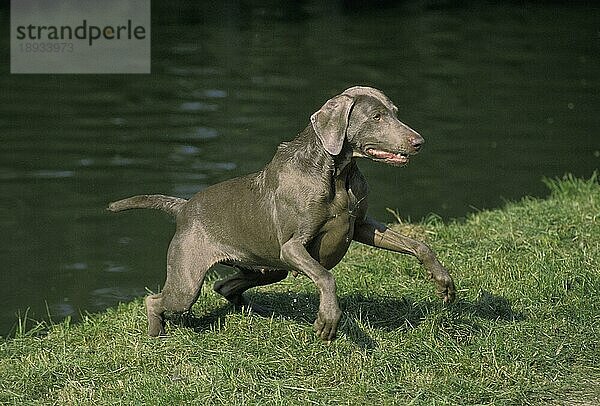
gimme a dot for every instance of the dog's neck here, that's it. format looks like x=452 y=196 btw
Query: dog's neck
x=306 y=152
x=336 y=165
x=343 y=160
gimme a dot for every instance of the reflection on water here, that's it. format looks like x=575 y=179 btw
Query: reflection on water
x=503 y=94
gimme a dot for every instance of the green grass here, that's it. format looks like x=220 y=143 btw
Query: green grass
x=525 y=330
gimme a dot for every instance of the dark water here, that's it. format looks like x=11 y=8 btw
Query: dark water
x=504 y=95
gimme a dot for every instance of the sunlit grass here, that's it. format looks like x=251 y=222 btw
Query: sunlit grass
x=525 y=330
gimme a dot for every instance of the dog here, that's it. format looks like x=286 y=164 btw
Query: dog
x=298 y=214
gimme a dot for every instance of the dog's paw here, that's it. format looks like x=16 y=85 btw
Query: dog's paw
x=325 y=326
x=443 y=282
x=445 y=288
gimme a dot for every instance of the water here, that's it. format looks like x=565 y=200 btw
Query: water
x=503 y=94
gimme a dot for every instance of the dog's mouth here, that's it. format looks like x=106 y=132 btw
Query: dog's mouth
x=398 y=158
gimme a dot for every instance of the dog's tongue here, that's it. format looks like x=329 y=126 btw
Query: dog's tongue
x=377 y=153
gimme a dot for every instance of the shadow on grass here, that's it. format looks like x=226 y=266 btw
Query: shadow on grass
x=457 y=321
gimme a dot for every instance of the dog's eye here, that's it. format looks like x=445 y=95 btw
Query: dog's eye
x=377 y=116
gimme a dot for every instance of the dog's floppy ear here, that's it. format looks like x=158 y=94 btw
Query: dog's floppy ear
x=331 y=121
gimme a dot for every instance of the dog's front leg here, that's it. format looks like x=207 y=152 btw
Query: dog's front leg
x=373 y=233
x=295 y=255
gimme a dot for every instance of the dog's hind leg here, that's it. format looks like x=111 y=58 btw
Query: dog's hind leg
x=188 y=260
x=233 y=287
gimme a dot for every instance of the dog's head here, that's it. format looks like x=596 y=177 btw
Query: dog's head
x=365 y=119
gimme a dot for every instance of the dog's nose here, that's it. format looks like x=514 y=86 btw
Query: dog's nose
x=417 y=142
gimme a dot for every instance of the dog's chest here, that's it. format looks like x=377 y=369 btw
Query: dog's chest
x=333 y=238
x=343 y=205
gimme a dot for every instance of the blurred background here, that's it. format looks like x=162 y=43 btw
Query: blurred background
x=505 y=93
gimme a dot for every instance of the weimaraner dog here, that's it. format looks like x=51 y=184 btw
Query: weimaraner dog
x=298 y=214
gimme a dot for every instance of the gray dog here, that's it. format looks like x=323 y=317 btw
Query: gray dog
x=298 y=214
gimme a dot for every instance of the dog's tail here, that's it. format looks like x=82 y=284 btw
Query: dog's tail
x=169 y=204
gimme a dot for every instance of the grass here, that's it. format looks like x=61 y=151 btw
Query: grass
x=525 y=330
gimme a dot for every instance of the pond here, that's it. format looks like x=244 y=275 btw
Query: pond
x=504 y=95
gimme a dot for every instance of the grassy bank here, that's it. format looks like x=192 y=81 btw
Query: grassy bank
x=525 y=330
